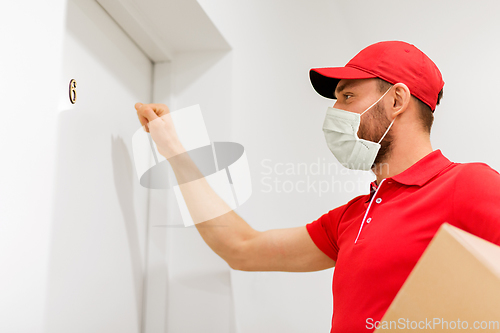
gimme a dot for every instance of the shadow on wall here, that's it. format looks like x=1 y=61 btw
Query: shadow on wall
x=191 y=67
x=124 y=176
x=206 y=78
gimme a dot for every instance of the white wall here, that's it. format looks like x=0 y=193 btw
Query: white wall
x=278 y=116
x=29 y=68
x=73 y=217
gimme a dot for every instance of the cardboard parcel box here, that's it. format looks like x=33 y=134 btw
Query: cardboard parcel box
x=455 y=285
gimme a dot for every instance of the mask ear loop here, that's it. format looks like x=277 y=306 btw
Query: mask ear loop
x=388 y=128
x=375 y=102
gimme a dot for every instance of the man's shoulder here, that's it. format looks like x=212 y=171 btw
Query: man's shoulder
x=473 y=177
x=473 y=169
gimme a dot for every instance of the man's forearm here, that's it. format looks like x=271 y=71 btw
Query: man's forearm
x=221 y=228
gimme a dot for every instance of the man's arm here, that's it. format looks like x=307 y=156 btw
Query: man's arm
x=286 y=250
x=246 y=249
x=475 y=201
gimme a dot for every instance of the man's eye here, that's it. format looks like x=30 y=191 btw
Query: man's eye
x=347 y=96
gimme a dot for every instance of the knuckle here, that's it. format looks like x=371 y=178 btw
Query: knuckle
x=162 y=107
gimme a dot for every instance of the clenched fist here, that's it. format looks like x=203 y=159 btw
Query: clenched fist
x=156 y=120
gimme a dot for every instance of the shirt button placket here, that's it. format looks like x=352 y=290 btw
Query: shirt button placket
x=378 y=201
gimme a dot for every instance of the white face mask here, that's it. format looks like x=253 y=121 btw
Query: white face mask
x=341 y=133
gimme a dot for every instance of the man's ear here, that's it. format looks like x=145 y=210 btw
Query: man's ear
x=402 y=97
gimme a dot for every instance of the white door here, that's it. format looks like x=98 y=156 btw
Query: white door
x=100 y=216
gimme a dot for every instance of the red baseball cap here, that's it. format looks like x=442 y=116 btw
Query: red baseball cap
x=392 y=61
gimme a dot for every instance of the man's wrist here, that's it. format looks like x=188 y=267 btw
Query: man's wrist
x=177 y=150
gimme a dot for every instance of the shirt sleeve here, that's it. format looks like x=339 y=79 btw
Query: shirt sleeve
x=324 y=231
x=476 y=201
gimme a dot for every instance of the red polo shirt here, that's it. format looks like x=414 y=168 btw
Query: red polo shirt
x=376 y=239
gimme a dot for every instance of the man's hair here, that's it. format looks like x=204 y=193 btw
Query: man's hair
x=425 y=112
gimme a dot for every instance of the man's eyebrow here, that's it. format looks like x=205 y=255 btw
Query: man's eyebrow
x=341 y=88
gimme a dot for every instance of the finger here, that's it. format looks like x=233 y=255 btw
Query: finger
x=145 y=113
x=159 y=109
x=143 y=120
x=148 y=112
x=144 y=123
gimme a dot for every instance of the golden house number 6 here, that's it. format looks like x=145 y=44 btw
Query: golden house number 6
x=72 y=91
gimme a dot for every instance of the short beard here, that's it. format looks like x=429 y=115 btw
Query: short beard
x=373 y=128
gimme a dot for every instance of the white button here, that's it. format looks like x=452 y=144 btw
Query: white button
x=369 y=220
x=379 y=200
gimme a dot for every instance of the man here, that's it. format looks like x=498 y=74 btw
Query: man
x=381 y=120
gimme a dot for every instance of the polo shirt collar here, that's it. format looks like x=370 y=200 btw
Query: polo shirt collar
x=420 y=172
x=423 y=170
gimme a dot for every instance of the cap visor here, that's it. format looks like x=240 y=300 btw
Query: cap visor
x=325 y=80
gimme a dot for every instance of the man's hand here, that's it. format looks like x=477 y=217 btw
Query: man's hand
x=156 y=119
x=148 y=112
